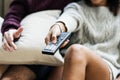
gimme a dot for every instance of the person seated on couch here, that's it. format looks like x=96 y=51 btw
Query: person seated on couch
x=96 y=28
x=11 y=30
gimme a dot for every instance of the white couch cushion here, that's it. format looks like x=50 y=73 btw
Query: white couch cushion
x=31 y=43
x=1 y=20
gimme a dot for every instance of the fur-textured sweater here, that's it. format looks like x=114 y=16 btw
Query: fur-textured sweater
x=97 y=27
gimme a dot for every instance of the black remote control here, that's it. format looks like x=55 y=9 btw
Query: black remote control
x=51 y=48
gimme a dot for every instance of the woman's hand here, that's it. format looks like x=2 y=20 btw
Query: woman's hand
x=54 y=32
x=8 y=39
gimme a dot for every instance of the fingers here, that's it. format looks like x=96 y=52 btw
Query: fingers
x=51 y=37
x=54 y=37
x=65 y=43
x=5 y=45
x=8 y=39
x=8 y=43
x=8 y=36
x=8 y=46
x=18 y=32
x=47 y=39
x=53 y=34
x=13 y=46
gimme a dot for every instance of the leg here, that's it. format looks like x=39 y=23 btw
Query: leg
x=42 y=71
x=56 y=73
x=82 y=64
x=19 y=73
x=3 y=68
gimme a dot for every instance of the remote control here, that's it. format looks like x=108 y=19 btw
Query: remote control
x=51 y=48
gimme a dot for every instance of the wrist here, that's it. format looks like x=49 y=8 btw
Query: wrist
x=57 y=25
x=61 y=26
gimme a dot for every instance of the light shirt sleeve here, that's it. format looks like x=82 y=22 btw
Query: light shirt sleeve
x=72 y=17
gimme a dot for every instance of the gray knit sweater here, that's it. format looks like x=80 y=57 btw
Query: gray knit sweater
x=98 y=29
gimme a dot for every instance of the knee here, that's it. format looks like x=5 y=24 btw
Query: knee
x=18 y=77
x=19 y=73
x=75 y=54
x=8 y=78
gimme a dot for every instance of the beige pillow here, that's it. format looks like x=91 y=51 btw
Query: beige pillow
x=31 y=43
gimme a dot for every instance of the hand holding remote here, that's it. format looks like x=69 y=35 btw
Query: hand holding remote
x=53 y=39
x=51 y=47
x=55 y=31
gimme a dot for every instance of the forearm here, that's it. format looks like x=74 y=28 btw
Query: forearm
x=71 y=18
x=61 y=26
x=17 y=11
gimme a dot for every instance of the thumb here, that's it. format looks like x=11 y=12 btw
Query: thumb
x=18 y=32
x=54 y=36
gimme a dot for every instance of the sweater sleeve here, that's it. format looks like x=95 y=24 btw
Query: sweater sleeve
x=72 y=17
x=17 y=10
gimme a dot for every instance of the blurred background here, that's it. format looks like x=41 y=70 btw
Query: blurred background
x=4 y=4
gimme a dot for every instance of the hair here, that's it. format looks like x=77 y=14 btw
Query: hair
x=113 y=5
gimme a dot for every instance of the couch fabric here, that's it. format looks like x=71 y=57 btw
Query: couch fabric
x=36 y=26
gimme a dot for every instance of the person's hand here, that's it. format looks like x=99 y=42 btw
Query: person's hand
x=8 y=39
x=54 y=32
